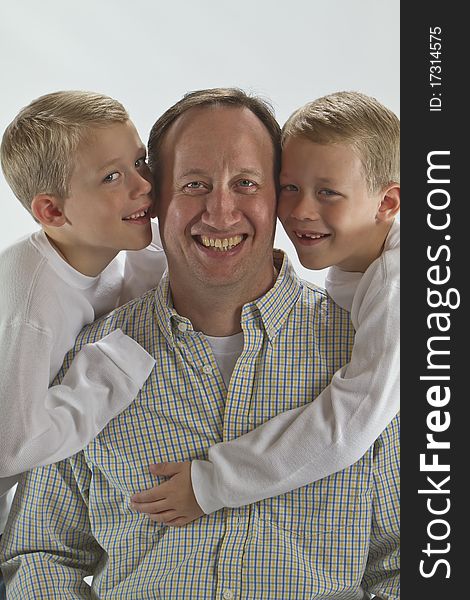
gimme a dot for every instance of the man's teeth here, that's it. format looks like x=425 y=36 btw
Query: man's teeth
x=137 y=215
x=221 y=244
x=312 y=236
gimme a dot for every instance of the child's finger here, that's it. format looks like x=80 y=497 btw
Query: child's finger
x=152 y=495
x=166 y=469
x=179 y=522
x=149 y=507
x=163 y=517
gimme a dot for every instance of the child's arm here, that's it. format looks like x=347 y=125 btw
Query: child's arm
x=331 y=433
x=311 y=442
x=39 y=426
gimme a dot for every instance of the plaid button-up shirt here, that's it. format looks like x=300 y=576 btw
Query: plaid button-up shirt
x=336 y=538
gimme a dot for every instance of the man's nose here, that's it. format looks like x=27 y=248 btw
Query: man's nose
x=222 y=210
x=305 y=208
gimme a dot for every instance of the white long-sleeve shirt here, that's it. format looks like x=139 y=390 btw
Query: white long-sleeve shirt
x=332 y=432
x=44 y=303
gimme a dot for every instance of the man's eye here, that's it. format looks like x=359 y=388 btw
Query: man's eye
x=246 y=183
x=289 y=187
x=111 y=177
x=194 y=185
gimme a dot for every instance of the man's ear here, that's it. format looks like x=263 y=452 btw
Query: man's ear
x=154 y=207
x=390 y=203
x=48 y=210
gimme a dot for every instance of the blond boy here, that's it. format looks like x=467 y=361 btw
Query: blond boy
x=76 y=163
x=339 y=197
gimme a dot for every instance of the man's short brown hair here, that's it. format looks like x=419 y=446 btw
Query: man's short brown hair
x=230 y=97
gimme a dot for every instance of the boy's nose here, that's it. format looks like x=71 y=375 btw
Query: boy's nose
x=306 y=208
x=141 y=184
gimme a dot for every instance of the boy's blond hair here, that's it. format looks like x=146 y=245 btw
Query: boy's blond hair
x=39 y=146
x=371 y=129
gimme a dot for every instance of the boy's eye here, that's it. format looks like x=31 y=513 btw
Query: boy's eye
x=111 y=177
x=140 y=162
x=289 y=187
x=327 y=193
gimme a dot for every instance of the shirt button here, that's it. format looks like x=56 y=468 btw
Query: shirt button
x=182 y=327
x=228 y=595
x=207 y=369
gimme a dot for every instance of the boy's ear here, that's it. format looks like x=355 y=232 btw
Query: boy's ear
x=48 y=210
x=390 y=203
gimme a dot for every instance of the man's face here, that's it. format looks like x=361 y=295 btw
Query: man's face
x=217 y=199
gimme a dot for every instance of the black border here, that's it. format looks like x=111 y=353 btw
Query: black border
x=424 y=131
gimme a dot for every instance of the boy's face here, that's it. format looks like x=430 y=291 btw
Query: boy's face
x=110 y=192
x=326 y=207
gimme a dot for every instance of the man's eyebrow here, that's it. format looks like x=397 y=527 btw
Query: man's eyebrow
x=193 y=172
x=251 y=171
x=242 y=171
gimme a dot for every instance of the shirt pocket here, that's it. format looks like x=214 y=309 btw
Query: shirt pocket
x=322 y=531
x=338 y=502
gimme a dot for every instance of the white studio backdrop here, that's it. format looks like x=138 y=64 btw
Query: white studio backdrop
x=147 y=54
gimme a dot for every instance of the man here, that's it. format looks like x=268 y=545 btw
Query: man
x=237 y=339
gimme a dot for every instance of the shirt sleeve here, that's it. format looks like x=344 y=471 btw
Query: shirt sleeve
x=47 y=553
x=325 y=436
x=41 y=425
x=382 y=573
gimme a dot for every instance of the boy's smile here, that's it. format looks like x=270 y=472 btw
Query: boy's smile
x=326 y=208
x=310 y=238
x=140 y=216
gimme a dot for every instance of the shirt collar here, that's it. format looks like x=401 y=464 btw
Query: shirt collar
x=271 y=309
x=168 y=319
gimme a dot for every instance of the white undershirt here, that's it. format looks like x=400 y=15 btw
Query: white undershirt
x=226 y=352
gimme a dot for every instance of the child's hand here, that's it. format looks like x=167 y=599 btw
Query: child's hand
x=172 y=502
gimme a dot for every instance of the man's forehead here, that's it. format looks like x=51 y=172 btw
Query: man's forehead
x=235 y=122
x=232 y=134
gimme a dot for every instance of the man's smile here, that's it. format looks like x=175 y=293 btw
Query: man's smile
x=224 y=244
